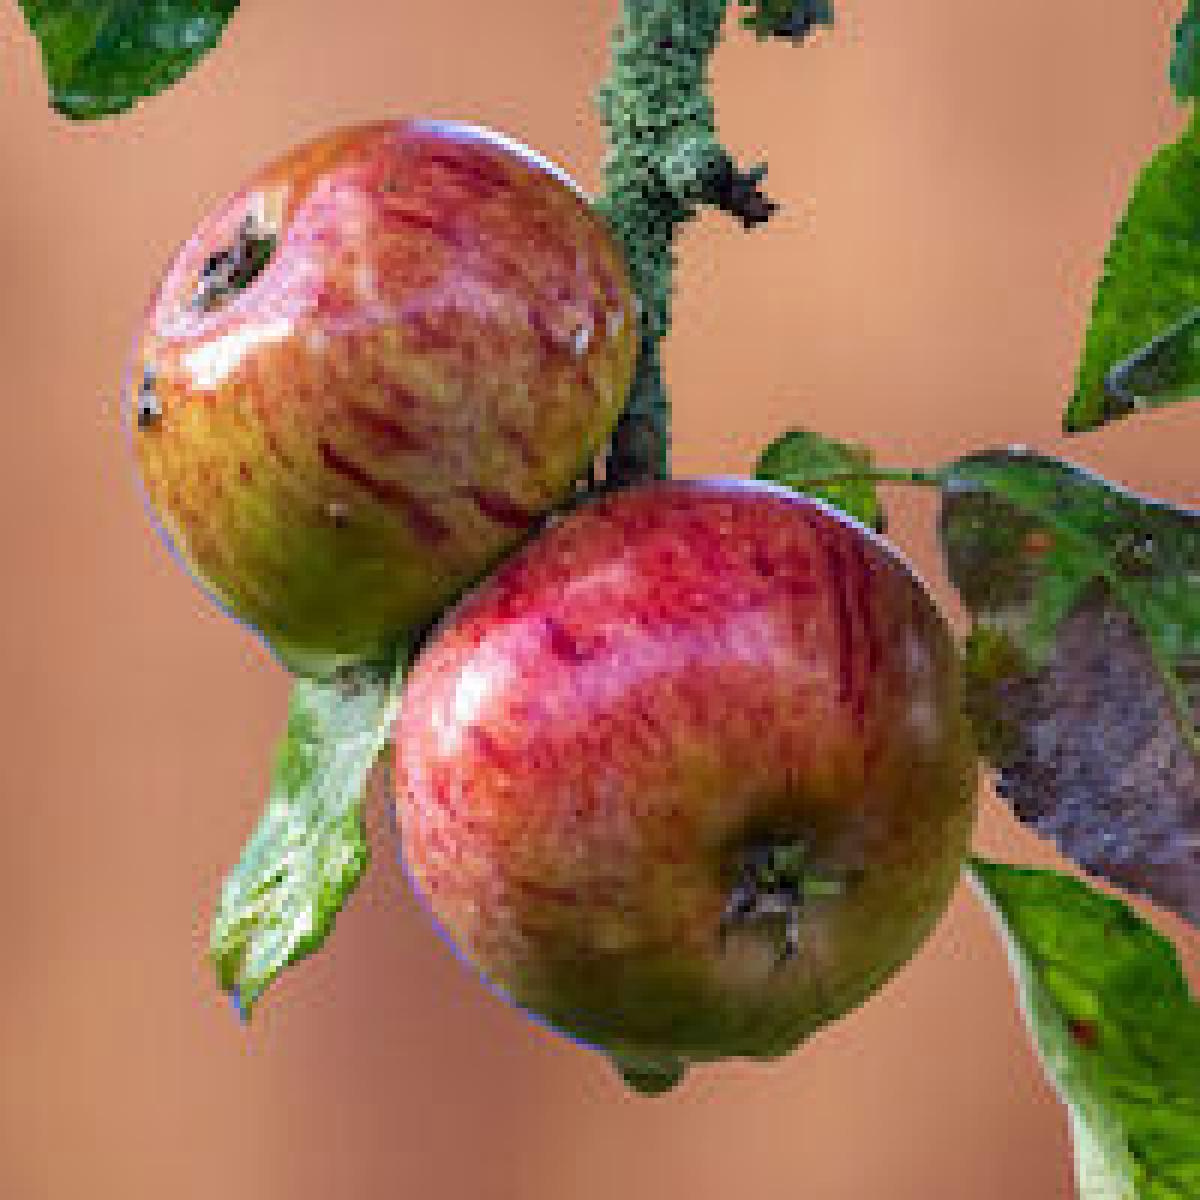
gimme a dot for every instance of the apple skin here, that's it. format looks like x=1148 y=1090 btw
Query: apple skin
x=441 y=339
x=664 y=679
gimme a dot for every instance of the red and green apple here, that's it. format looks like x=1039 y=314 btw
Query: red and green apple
x=370 y=373
x=689 y=775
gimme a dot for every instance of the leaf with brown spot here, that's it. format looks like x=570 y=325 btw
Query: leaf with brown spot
x=1083 y=665
x=1116 y=1028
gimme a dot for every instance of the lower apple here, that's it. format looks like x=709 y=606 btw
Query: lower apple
x=689 y=776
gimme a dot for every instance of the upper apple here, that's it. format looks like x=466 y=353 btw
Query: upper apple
x=371 y=372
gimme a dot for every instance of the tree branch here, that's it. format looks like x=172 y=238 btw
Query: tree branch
x=664 y=163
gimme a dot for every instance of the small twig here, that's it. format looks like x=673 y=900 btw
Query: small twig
x=737 y=192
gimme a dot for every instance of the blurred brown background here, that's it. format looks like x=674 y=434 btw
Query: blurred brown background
x=951 y=168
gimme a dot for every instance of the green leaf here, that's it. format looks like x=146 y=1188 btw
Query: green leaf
x=309 y=850
x=102 y=56
x=836 y=472
x=1185 y=62
x=1118 y=1033
x=1084 y=662
x=1142 y=347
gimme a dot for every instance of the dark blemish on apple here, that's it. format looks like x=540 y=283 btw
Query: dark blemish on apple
x=763 y=564
x=836 y=568
x=487 y=747
x=562 y=642
x=475 y=175
x=275 y=446
x=424 y=521
x=245 y=473
x=444 y=229
x=235 y=267
x=545 y=336
x=149 y=407
x=391 y=436
x=501 y=510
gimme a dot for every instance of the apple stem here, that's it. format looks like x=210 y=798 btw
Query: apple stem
x=901 y=476
x=641 y=444
x=664 y=163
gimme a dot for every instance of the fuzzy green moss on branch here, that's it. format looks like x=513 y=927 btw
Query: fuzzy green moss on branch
x=665 y=162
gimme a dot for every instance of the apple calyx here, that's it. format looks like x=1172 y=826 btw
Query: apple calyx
x=234 y=267
x=775 y=882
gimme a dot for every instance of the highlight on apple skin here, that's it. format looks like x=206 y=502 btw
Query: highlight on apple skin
x=370 y=373
x=688 y=777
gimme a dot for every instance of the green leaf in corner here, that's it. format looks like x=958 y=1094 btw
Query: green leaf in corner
x=309 y=850
x=1142 y=347
x=1083 y=666
x=836 y=472
x=102 y=56
x=1117 y=1030
x=1185 y=61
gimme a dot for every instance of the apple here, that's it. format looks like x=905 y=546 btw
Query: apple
x=688 y=777
x=370 y=373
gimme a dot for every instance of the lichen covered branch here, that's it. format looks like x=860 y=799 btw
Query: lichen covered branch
x=665 y=162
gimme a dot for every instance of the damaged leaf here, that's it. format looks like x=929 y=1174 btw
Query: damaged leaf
x=1084 y=663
